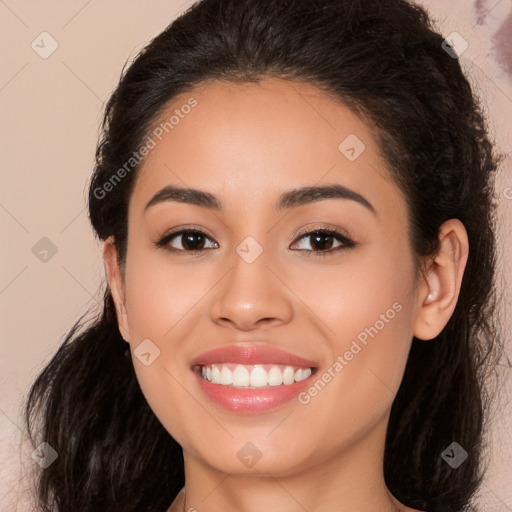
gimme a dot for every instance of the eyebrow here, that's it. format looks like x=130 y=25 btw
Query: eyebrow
x=289 y=199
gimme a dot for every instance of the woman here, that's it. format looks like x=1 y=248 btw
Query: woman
x=296 y=200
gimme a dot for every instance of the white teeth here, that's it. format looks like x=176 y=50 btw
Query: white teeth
x=215 y=375
x=254 y=376
x=258 y=377
x=226 y=376
x=302 y=373
x=288 y=375
x=275 y=376
x=240 y=376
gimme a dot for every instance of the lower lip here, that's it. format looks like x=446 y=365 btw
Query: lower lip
x=251 y=400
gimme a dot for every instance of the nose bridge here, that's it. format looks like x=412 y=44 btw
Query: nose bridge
x=251 y=292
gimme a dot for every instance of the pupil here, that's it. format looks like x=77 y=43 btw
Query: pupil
x=321 y=236
x=190 y=240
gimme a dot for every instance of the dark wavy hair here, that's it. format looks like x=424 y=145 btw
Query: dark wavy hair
x=386 y=62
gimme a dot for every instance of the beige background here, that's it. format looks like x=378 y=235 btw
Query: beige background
x=50 y=113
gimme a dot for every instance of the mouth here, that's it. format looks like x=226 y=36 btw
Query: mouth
x=252 y=379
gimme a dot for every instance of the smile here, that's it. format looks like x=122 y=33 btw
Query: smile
x=251 y=378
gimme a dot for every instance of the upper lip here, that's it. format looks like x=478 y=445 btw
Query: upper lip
x=251 y=354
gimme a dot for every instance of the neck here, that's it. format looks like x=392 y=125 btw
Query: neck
x=352 y=479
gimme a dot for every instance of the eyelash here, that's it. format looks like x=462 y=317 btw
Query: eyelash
x=347 y=242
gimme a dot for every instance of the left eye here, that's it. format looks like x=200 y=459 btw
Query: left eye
x=322 y=240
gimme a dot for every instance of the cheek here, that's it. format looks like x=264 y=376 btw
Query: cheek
x=163 y=301
x=365 y=288
x=160 y=295
x=366 y=310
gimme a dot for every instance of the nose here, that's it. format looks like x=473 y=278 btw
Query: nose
x=252 y=296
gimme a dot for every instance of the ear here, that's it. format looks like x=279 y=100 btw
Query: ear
x=116 y=285
x=440 y=284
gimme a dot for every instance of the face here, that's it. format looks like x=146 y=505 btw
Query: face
x=323 y=280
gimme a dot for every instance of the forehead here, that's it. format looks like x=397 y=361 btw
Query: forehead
x=251 y=141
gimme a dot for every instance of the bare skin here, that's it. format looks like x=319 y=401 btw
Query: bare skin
x=247 y=144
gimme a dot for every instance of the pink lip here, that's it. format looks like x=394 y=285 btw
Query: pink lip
x=252 y=354
x=251 y=400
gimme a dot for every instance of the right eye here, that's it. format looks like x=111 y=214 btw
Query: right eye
x=190 y=240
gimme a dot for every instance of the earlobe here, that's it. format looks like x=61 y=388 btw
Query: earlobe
x=116 y=285
x=441 y=282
